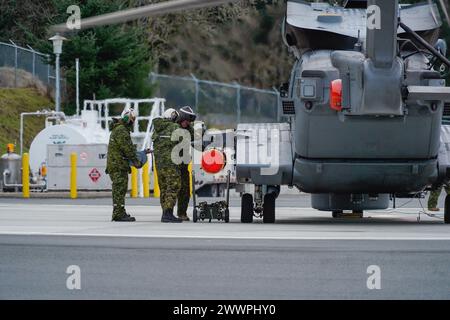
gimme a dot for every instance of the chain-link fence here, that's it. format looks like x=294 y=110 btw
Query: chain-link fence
x=220 y=105
x=17 y=58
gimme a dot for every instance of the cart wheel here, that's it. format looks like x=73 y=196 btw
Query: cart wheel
x=227 y=216
x=247 y=208
x=447 y=210
x=269 y=208
x=194 y=215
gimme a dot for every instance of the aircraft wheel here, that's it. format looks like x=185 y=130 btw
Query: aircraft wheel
x=247 y=208
x=195 y=215
x=336 y=213
x=447 y=210
x=269 y=208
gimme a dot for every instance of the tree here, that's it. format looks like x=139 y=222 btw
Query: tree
x=114 y=59
x=21 y=18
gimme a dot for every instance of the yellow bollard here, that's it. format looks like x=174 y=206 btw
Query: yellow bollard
x=26 y=175
x=146 y=181
x=134 y=182
x=73 y=176
x=156 y=190
x=190 y=178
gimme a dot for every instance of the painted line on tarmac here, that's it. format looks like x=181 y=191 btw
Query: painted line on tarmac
x=221 y=237
x=388 y=212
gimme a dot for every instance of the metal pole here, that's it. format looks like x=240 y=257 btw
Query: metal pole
x=34 y=64
x=146 y=180
x=134 y=182
x=57 y=94
x=444 y=8
x=48 y=69
x=21 y=134
x=15 y=65
x=238 y=102
x=156 y=189
x=197 y=89
x=73 y=176
x=26 y=176
x=77 y=66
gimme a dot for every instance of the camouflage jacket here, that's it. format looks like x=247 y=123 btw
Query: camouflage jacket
x=121 y=149
x=191 y=132
x=162 y=142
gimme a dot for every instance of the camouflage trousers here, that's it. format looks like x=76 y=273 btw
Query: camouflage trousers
x=434 y=196
x=119 y=191
x=184 y=194
x=169 y=183
x=174 y=183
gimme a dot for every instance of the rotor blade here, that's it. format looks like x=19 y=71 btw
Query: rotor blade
x=140 y=12
x=445 y=9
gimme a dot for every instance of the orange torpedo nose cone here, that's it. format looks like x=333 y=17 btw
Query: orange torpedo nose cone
x=213 y=161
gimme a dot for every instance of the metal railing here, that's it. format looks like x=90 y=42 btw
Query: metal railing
x=31 y=61
x=222 y=105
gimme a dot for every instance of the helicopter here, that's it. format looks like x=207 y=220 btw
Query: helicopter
x=362 y=109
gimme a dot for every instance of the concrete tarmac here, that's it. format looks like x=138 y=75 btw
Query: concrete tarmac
x=306 y=254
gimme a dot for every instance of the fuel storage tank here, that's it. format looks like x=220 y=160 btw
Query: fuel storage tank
x=84 y=130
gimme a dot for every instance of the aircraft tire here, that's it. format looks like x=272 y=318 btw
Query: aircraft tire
x=269 y=208
x=247 y=208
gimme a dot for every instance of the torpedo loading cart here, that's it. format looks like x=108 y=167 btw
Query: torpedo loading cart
x=218 y=210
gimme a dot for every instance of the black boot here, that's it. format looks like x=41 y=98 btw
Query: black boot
x=120 y=214
x=168 y=217
x=129 y=216
x=124 y=218
x=183 y=217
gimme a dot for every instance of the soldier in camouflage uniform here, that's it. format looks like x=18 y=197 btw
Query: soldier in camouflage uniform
x=121 y=152
x=185 y=120
x=168 y=172
x=434 y=197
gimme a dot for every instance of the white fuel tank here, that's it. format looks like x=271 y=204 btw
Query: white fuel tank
x=84 y=130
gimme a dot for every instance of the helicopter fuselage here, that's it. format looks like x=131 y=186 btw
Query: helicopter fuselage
x=382 y=136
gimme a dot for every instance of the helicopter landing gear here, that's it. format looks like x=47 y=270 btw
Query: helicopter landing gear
x=447 y=210
x=247 y=208
x=262 y=205
x=269 y=208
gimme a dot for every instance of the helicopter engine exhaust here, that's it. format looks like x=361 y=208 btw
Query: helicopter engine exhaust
x=379 y=69
x=381 y=42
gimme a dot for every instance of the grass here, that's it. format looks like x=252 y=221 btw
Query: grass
x=12 y=103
